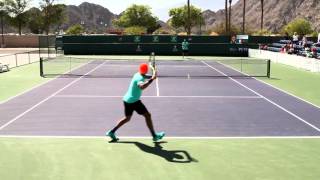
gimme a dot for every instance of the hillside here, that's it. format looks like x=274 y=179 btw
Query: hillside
x=96 y=18
x=277 y=13
x=93 y=17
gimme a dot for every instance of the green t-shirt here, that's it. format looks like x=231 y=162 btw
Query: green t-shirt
x=134 y=92
x=185 y=45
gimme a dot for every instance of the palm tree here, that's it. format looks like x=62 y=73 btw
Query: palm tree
x=189 y=20
x=2 y=14
x=244 y=16
x=230 y=2
x=226 y=12
x=262 y=9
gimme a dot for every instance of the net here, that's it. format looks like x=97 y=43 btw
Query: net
x=66 y=66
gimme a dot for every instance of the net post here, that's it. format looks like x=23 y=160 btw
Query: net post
x=241 y=61
x=41 y=67
x=269 y=68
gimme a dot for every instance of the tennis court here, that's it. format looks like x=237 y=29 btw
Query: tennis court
x=191 y=98
x=219 y=123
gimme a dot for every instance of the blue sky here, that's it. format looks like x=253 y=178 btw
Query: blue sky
x=159 y=7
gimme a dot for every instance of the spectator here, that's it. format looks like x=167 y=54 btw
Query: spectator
x=314 y=52
x=291 y=48
x=295 y=38
x=308 y=52
x=304 y=41
x=319 y=38
x=233 y=39
x=287 y=47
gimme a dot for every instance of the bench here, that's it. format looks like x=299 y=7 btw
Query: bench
x=4 y=68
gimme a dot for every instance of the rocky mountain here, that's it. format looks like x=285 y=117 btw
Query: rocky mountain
x=93 y=17
x=277 y=13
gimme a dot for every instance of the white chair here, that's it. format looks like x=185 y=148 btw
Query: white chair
x=4 y=67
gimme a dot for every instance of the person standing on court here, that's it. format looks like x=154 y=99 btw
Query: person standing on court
x=132 y=102
x=185 y=48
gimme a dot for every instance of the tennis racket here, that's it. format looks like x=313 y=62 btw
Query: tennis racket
x=152 y=64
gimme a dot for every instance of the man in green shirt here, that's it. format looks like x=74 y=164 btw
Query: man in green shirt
x=185 y=47
x=132 y=102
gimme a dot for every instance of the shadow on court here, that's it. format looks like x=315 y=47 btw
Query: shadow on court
x=176 y=156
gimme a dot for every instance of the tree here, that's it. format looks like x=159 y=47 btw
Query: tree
x=244 y=17
x=220 y=29
x=36 y=20
x=230 y=3
x=54 y=14
x=135 y=30
x=16 y=9
x=189 y=18
x=75 y=30
x=179 y=17
x=227 y=19
x=3 y=14
x=138 y=15
x=300 y=25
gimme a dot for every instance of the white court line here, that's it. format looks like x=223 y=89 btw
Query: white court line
x=97 y=96
x=270 y=101
x=274 y=87
x=166 y=66
x=46 y=99
x=26 y=91
x=157 y=87
x=42 y=84
x=166 y=137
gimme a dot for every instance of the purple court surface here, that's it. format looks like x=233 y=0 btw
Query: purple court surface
x=185 y=106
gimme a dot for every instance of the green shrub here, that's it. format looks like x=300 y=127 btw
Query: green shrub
x=299 y=25
x=135 y=30
x=75 y=30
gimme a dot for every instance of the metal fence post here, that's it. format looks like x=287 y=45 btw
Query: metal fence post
x=29 y=58
x=16 y=60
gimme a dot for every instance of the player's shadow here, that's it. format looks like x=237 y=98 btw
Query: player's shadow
x=176 y=156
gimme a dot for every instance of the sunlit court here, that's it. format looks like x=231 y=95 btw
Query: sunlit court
x=189 y=90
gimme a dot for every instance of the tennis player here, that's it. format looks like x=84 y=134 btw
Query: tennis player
x=185 y=48
x=132 y=102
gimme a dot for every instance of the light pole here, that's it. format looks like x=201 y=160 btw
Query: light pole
x=189 y=19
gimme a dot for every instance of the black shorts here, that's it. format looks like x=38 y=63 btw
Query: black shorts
x=185 y=51
x=136 y=106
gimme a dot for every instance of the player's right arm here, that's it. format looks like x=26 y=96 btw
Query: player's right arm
x=144 y=85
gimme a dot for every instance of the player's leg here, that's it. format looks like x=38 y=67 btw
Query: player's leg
x=112 y=133
x=142 y=110
x=149 y=123
x=120 y=123
x=128 y=110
